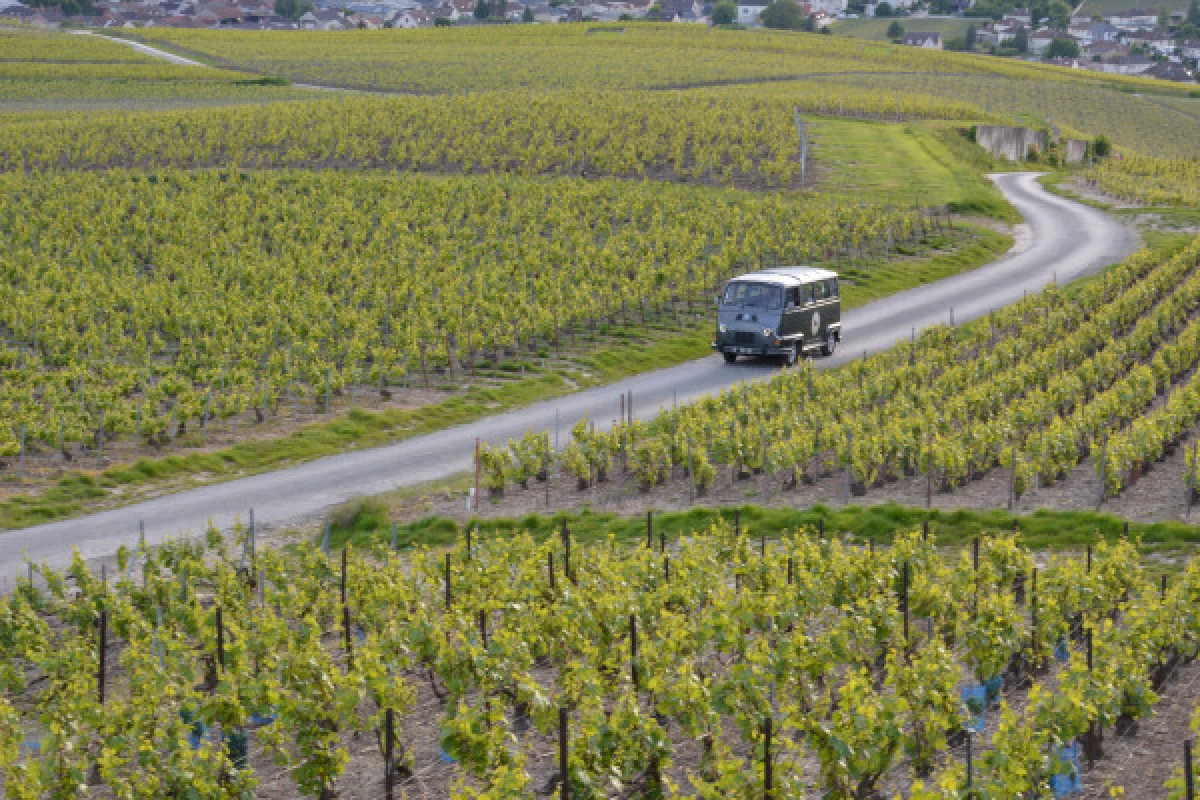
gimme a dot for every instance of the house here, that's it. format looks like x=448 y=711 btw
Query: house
x=1124 y=65
x=322 y=21
x=1041 y=39
x=49 y=17
x=1151 y=41
x=1019 y=17
x=1094 y=32
x=454 y=9
x=1190 y=49
x=1167 y=71
x=927 y=41
x=413 y=18
x=830 y=7
x=1099 y=51
x=1134 y=19
x=680 y=9
x=996 y=33
x=748 y=11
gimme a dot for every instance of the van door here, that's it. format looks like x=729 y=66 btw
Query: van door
x=810 y=317
x=793 y=308
x=832 y=311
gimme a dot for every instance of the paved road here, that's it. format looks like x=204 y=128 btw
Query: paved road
x=1062 y=240
x=147 y=50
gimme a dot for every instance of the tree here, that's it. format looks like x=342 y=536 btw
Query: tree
x=884 y=9
x=895 y=31
x=483 y=9
x=1164 y=18
x=527 y=14
x=292 y=9
x=443 y=22
x=1063 y=47
x=1021 y=40
x=725 y=13
x=1101 y=146
x=971 y=37
x=1193 y=13
x=784 y=15
x=1058 y=14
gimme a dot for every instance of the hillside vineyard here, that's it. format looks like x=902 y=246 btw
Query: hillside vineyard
x=137 y=302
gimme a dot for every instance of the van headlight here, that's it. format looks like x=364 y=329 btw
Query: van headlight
x=767 y=332
x=722 y=328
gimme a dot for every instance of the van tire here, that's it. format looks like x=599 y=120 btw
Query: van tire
x=830 y=343
x=791 y=356
x=730 y=357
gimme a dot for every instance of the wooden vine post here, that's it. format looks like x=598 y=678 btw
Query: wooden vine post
x=633 y=652
x=1189 y=785
x=389 y=755
x=566 y=543
x=768 y=776
x=564 y=782
x=220 y=638
x=102 y=652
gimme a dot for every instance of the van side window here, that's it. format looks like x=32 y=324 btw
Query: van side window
x=819 y=291
x=810 y=294
x=832 y=285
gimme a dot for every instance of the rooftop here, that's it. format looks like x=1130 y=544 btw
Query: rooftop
x=788 y=276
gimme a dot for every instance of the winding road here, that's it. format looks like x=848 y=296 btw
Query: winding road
x=1060 y=240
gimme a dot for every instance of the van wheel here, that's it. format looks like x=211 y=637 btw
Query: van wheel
x=830 y=343
x=730 y=357
x=791 y=356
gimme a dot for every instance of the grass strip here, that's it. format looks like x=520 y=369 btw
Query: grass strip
x=366 y=522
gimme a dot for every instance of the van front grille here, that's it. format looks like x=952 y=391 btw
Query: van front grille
x=743 y=337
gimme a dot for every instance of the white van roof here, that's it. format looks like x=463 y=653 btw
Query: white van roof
x=787 y=276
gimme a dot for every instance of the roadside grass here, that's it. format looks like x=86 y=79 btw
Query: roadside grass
x=914 y=162
x=642 y=348
x=365 y=523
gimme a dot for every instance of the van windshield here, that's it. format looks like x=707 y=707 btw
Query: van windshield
x=753 y=295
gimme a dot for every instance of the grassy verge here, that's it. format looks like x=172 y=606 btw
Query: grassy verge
x=918 y=160
x=366 y=522
x=643 y=350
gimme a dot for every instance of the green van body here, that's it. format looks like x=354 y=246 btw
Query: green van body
x=783 y=312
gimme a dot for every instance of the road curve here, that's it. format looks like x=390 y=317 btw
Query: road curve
x=1061 y=240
